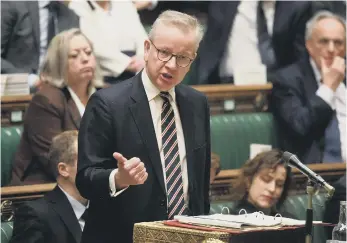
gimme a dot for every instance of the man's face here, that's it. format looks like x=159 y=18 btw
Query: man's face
x=169 y=40
x=327 y=41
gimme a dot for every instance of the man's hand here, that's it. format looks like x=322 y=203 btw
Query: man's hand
x=130 y=172
x=136 y=64
x=332 y=76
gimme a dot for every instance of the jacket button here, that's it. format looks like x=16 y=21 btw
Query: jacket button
x=162 y=202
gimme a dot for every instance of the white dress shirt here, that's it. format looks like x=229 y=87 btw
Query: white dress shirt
x=111 y=32
x=80 y=106
x=337 y=101
x=155 y=105
x=242 y=47
x=77 y=207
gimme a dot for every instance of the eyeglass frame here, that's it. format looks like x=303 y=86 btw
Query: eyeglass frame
x=171 y=55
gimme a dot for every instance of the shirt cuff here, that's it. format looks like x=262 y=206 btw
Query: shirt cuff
x=153 y=4
x=32 y=78
x=113 y=189
x=327 y=95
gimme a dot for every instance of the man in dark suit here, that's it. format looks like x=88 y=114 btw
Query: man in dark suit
x=157 y=129
x=309 y=97
x=244 y=33
x=332 y=206
x=59 y=216
x=26 y=30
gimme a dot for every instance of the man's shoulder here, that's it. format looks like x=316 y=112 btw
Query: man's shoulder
x=291 y=73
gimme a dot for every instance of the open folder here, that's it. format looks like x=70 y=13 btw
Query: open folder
x=256 y=219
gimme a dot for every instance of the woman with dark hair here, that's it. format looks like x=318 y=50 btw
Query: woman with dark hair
x=262 y=185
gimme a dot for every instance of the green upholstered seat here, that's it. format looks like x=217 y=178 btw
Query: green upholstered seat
x=6 y=231
x=232 y=134
x=10 y=137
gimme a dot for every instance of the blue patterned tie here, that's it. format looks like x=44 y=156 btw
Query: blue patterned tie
x=173 y=171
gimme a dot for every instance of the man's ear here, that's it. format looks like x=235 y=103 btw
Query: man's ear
x=62 y=169
x=147 y=47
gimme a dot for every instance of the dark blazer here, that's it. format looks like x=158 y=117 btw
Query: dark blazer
x=20 y=34
x=119 y=119
x=50 y=112
x=50 y=219
x=332 y=206
x=287 y=38
x=302 y=116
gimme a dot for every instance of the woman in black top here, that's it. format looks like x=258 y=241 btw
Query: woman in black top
x=262 y=184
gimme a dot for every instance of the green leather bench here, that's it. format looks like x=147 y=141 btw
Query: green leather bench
x=295 y=205
x=10 y=137
x=232 y=134
x=6 y=231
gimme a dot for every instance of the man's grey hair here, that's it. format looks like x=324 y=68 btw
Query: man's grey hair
x=54 y=67
x=319 y=16
x=186 y=23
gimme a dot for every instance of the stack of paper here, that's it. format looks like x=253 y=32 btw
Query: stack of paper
x=237 y=221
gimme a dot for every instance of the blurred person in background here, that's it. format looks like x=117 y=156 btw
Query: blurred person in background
x=69 y=77
x=309 y=97
x=250 y=33
x=262 y=185
x=118 y=36
x=27 y=28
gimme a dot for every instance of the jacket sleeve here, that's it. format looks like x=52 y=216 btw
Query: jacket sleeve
x=95 y=149
x=28 y=226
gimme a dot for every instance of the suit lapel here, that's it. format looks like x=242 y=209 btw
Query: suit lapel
x=33 y=8
x=310 y=83
x=142 y=116
x=62 y=206
x=186 y=111
x=72 y=109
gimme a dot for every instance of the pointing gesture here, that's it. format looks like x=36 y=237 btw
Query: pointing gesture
x=130 y=172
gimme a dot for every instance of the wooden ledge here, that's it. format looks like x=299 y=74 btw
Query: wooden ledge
x=16 y=99
x=9 y=191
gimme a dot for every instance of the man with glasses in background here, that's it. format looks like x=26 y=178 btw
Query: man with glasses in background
x=309 y=97
x=144 y=144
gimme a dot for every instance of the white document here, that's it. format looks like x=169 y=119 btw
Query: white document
x=248 y=75
x=258 y=148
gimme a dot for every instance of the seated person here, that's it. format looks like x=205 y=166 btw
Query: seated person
x=215 y=166
x=69 y=77
x=59 y=216
x=27 y=28
x=262 y=185
x=116 y=31
x=332 y=206
x=309 y=97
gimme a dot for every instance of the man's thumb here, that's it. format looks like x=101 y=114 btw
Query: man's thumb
x=323 y=65
x=120 y=159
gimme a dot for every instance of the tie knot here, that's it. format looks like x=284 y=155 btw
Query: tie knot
x=165 y=95
x=85 y=215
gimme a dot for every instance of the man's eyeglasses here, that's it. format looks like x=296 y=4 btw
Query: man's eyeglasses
x=165 y=56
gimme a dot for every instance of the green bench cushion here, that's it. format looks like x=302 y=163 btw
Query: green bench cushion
x=6 y=231
x=10 y=137
x=232 y=134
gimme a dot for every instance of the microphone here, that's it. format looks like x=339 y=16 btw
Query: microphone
x=292 y=161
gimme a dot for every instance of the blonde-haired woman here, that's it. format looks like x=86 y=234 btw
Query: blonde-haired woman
x=69 y=77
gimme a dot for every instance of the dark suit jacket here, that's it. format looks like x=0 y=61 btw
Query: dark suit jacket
x=50 y=219
x=287 y=38
x=337 y=7
x=302 y=115
x=119 y=119
x=50 y=112
x=332 y=207
x=20 y=34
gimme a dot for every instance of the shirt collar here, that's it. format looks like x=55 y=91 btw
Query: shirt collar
x=316 y=71
x=151 y=90
x=79 y=104
x=77 y=207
